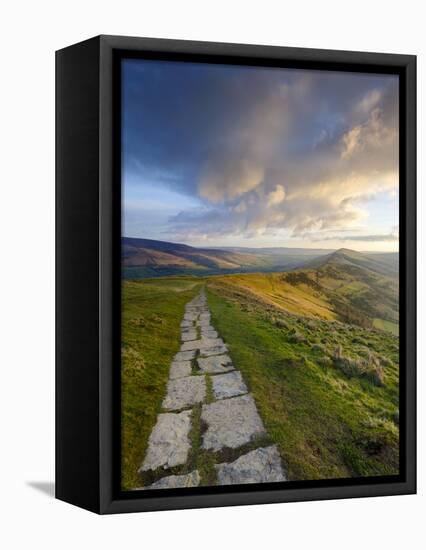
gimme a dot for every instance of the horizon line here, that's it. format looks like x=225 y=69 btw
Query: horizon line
x=266 y=247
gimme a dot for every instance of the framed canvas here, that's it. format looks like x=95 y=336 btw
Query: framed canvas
x=236 y=283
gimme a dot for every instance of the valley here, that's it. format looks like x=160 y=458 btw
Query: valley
x=149 y=258
x=353 y=287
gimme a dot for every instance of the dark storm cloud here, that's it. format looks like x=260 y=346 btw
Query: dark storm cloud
x=263 y=149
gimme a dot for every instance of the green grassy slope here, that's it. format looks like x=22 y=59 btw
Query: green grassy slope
x=281 y=290
x=383 y=264
x=152 y=311
x=327 y=415
x=357 y=285
x=326 y=390
x=382 y=324
x=334 y=290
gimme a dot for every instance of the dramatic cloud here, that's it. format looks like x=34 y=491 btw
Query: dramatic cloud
x=373 y=135
x=263 y=151
x=235 y=178
x=276 y=196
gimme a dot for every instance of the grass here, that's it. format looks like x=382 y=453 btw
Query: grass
x=199 y=459
x=326 y=390
x=382 y=324
x=326 y=424
x=274 y=289
x=152 y=311
x=333 y=292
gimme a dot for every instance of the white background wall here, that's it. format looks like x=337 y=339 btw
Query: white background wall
x=30 y=32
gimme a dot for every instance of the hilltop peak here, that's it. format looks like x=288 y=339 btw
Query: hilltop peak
x=347 y=257
x=348 y=252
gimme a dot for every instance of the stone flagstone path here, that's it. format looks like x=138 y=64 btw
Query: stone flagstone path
x=202 y=374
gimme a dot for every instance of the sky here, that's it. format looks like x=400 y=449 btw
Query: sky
x=225 y=155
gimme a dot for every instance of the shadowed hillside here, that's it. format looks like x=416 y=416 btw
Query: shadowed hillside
x=151 y=258
x=334 y=287
x=363 y=288
x=385 y=264
x=144 y=258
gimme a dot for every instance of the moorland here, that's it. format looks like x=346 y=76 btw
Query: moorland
x=314 y=333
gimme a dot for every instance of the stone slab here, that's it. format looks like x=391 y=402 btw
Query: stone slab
x=173 y=482
x=228 y=385
x=211 y=342
x=231 y=423
x=210 y=333
x=262 y=465
x=191 y=346
x=211 y=346
x=168 y=444
x=203 y=344
x=184 y=355
x=190 y=317
x=217 y=350
x=203 y=323
x=188 y=335
x=206 y=328
x=180 y=369
x=187 y=324
x=184 y=392
x=216 y=364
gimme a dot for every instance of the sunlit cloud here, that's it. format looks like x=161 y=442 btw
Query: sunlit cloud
x=265 y=152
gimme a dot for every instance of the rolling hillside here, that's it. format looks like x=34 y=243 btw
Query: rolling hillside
x=149 y=258
x=347 y=286
x=361 y=285
x=326 y=390
x=317 y=346
x=384 y=264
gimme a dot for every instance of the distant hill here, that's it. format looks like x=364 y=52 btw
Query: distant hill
x=355 y=287
x=385 y=264
x=363 y=287
x=346 y=285
x=159 y=258
x=150 y=258
x=280 y=251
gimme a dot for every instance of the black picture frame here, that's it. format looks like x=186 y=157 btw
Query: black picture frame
x=88 y=204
